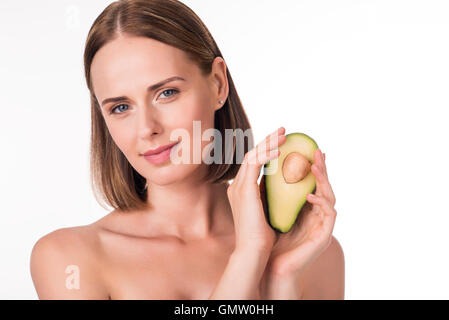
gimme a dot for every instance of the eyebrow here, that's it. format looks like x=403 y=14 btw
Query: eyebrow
x=150 y=88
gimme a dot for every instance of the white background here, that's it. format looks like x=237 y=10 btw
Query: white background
x=368 y=80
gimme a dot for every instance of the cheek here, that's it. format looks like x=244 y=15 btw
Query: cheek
x=123 y=138
x=197 y=106
x=197 y=117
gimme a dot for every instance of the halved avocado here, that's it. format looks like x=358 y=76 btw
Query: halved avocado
x=287 y=187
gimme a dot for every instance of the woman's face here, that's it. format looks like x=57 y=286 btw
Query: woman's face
x=145 y=118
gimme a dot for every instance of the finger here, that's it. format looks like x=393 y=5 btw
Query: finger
x=324 y=163
x=256 y=161
x=329 y=213
x=319 y=161
x=316 y=199
x=326 y=187
x=263 y=153
x=250 y=157
x=323 y=187
x=271 y=141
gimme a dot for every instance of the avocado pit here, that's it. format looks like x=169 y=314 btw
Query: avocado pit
x=295 y=167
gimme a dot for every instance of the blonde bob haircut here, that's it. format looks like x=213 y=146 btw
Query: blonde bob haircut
x=112 y=178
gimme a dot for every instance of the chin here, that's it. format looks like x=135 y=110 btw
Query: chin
x=170 y=173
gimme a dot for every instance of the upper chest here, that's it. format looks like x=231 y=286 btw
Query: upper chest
x=163 y=268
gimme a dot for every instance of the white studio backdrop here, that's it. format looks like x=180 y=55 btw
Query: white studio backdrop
x=368 y=80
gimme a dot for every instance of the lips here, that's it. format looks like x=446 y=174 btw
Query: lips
x=159 y=149
x=158 y=157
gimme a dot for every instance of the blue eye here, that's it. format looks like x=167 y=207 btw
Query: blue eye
x=168 y=90
x=175 y=91
x=112 y=110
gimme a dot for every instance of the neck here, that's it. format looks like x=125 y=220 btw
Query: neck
x=190 y=209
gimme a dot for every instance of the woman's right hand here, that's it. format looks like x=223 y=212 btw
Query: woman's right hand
x=251 y=226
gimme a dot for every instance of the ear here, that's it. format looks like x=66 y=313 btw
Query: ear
x=219 y=82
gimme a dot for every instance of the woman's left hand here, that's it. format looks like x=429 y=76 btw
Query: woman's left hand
x=310 y=236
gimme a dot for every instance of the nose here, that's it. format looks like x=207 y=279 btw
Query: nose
x=148 y=122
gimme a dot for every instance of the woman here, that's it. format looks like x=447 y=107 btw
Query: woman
x=179 y=230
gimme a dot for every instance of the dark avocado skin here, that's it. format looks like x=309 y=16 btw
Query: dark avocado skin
x=264 y=195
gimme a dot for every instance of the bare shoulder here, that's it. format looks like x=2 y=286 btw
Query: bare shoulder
x=64 y=265
x=325 y=277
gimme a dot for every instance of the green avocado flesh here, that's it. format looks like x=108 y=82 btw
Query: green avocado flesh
x=285 y=200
